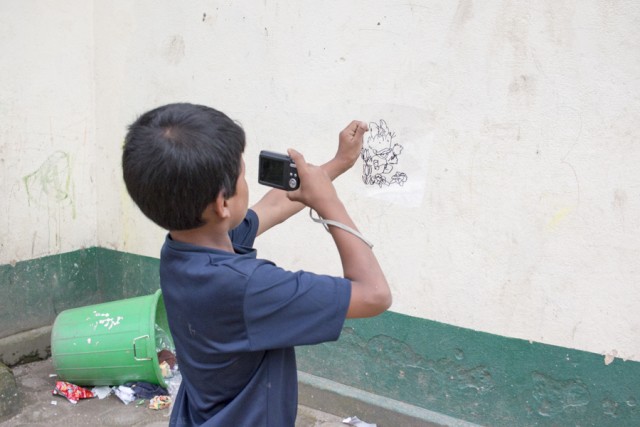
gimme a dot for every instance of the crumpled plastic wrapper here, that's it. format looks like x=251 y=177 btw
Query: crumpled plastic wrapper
x=160 y=402
x=72 y=392
x=102 y=391
x=356 y=422
x=124 y=393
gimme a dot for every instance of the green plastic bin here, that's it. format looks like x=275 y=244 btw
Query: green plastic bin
x=110 y=343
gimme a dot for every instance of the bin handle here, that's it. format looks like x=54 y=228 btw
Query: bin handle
x=135 y=356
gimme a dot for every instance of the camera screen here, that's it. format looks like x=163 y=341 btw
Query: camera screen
x=271 y=171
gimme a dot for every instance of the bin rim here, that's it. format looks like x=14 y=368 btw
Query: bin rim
x=157 y=296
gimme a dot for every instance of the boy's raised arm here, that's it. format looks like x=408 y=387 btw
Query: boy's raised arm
x=370 y=293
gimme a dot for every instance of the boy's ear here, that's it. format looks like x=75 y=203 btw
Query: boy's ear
x=220 y=206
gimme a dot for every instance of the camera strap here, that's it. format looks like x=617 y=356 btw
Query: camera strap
x=327 y=222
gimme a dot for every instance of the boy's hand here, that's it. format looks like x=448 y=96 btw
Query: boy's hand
x=350 y=145
x=316 y=189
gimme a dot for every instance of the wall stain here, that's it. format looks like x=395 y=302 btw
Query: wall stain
x=51 y=182
x=523 y=88
x=174 y=50
x=553 y=396
x=558 y=217
x=394 y=358
x=609 y=407
x=619 y=203
x=464 y=13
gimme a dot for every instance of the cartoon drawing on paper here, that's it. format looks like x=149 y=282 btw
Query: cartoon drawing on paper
x=380 y=156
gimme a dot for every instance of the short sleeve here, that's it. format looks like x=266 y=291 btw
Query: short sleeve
x=284 y=309
x=245 y=233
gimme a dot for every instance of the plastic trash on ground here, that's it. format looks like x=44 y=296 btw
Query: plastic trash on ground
x=124 y=393
x=356 y=422
x=72 y=392
x=160 y=402
x=102 y=391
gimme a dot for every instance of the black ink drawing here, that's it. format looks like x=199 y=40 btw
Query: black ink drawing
x=380 y=155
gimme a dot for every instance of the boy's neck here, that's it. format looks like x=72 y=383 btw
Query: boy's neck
x=209 y=237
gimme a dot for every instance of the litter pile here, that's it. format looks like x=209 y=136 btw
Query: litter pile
x=155 y=396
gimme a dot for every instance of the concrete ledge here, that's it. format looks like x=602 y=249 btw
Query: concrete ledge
x=26 y=347
x=335 y=398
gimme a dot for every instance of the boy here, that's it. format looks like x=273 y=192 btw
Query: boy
x=235 y=318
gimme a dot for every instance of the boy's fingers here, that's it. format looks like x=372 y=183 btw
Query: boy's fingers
x=301 y=165
x=357 y=128
x=297 y=158
x=361 y=128
x=293 y=153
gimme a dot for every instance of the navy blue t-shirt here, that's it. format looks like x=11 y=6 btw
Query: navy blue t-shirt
x=234 y=320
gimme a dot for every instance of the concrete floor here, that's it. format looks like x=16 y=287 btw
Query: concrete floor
x=38 y=407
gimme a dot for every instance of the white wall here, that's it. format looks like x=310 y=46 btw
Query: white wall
x=47 y=129
x=520 y=216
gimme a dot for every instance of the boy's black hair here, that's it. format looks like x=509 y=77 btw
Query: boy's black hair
x=177 y=159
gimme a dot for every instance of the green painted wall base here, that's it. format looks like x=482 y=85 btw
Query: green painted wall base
x=478 y=377
x=33 y=292
x=424 y=366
